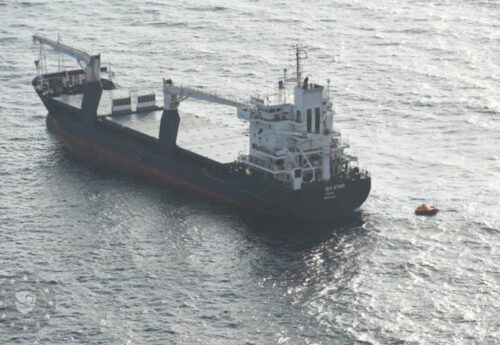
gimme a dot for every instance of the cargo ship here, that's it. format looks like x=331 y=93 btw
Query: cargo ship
x=286 y=160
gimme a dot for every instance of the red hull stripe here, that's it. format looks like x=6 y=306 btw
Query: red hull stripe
x=101 y=155
x=106 y=157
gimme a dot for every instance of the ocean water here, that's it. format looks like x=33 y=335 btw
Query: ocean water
x=416 y=89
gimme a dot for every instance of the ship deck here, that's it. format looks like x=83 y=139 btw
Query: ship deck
x=104 y=104
x=217 y=134
x=221 y=141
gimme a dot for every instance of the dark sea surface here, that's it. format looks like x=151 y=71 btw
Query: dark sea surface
x=416 y=88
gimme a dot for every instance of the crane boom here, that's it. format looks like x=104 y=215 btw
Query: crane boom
x=174 y=94
x=92 y=62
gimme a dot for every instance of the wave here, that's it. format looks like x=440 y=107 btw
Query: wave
x=208 y=9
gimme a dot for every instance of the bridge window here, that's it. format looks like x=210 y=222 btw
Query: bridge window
x=299 y=116
x=309 y=120
x=317 y=118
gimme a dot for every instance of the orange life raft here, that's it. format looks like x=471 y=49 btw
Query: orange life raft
x=427 y=210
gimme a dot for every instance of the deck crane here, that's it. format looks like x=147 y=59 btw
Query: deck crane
x=92 y=62
x=174 y=94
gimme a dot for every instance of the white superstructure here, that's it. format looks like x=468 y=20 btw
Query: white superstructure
x=295 y=143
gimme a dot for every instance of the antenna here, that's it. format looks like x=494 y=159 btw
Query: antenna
x=43 y=58
x=300 y=54
x=59 y=69
x=284 y=85
x=297 y=64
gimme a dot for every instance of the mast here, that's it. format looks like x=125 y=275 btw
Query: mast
x=297 y=57
x=284 y=85
x=300 y=54
x=59 y=54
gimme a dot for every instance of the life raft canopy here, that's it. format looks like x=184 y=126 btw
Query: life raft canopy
x=426 y=210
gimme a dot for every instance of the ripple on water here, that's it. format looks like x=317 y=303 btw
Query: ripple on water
x=414 y=94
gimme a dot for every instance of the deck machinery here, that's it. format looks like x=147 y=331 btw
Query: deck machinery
x=295 y=165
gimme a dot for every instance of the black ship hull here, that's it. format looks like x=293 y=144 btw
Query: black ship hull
x=104 y=142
